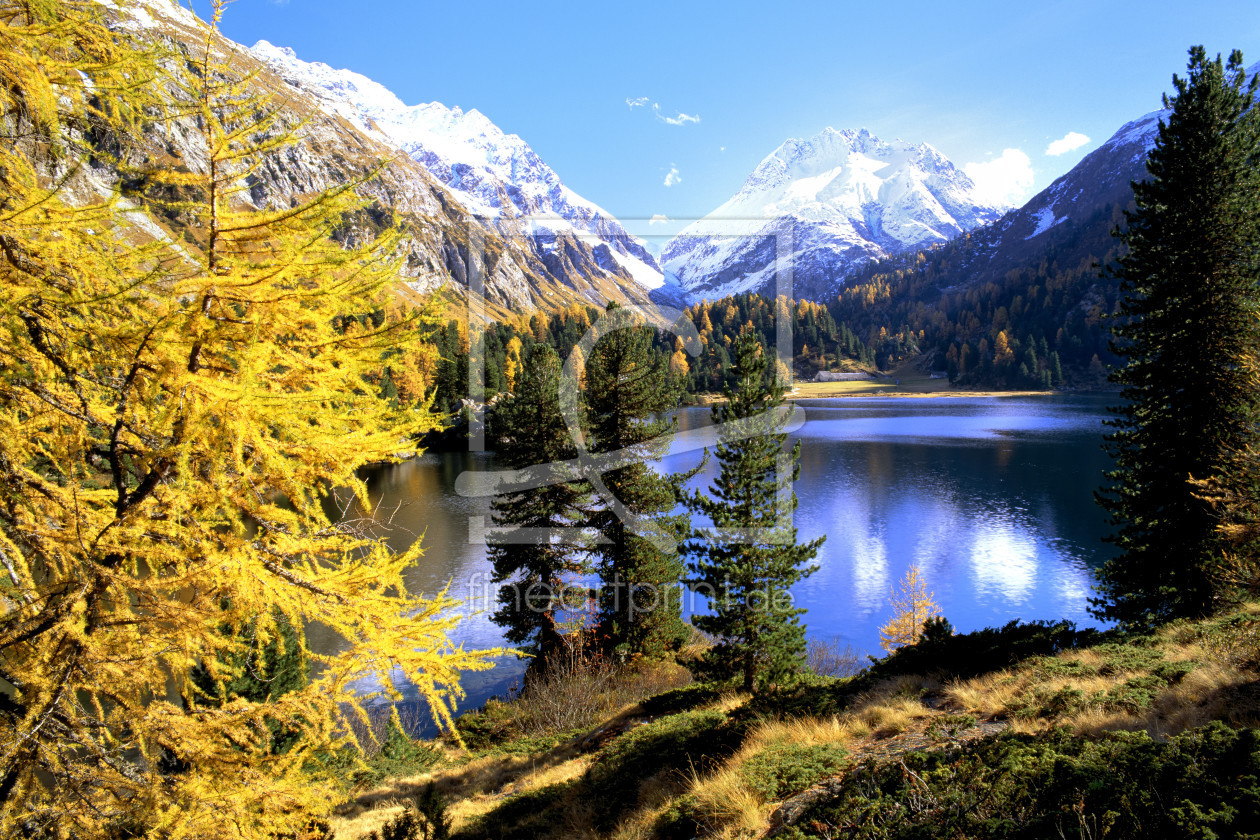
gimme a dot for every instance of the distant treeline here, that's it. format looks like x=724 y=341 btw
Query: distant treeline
x=1040 y=326
x=819 y=343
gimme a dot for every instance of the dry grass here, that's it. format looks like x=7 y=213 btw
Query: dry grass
x=987 y=696
x=1082 y=689
x=1220 y=685
x=472 y=788
x=725 y=803
x=730 y=807
x=365 y=822
x=806 y=732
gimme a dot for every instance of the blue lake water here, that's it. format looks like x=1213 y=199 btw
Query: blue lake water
x=991 y=497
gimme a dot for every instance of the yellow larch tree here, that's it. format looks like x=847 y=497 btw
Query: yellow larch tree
x=512 y=366
x=678 y=361
x=173 y=423
x=912 y=606
x=1002 y=348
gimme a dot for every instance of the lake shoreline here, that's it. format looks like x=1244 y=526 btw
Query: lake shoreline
x=902 y=394
x=882 y=392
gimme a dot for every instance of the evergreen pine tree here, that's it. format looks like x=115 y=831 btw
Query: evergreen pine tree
x=531 y=431
x=270 y=665
x=627 y=383
x=747 y=576
x=1187 y=332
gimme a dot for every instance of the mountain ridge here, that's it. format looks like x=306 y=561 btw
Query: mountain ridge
x=495 y=175
x=444 y=245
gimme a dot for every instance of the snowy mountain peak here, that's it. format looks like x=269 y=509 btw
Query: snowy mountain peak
x=338 y=85
x=847 y=196
x=843 y=153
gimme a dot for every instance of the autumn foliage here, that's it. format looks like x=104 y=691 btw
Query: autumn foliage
x=912 y=606
x=173 y=423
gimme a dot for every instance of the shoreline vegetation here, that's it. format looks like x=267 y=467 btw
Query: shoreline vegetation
x=904 y=383
x=955 y=731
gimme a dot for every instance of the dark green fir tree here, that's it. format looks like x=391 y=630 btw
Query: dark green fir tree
x=748 y=561
x=628 y=385
x=533 y=572
x=266 y=668
x=1187 y=332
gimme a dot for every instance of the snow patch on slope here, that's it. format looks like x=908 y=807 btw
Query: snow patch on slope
x=1045 y=221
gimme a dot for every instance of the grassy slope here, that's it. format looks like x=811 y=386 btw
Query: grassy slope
x=698 y=761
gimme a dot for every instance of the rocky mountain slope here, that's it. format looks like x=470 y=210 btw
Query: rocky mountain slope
x=1070 y=220
x=843 y=199
x=450 y=237
x=495 y=176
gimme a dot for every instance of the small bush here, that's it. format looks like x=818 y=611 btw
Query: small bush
x=1042 y=702
x=784 y=769
x=390 y=754
x=1134 y=654
x=572 y=695
x=833 y=658
x=573 y=692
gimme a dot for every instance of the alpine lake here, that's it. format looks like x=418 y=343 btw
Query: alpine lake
x=990 y=497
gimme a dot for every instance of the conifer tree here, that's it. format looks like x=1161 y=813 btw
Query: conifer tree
x=172 y=419
x=627 y=384
x=747 y=574
x=535 y=572
x=1187 y=332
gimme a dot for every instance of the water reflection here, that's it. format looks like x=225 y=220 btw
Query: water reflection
x=990 y=497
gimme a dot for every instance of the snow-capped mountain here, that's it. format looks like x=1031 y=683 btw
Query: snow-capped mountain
x=494 y=175
x=841 y=199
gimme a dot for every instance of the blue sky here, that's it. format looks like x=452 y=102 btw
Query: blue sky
x=723 y=84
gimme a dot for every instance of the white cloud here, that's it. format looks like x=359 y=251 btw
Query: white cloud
x=672 y=177
x=637 y=102
x=681 y=119
x=1006 y=179
x=659 y=218
x=1071 y=140
x=721 y=148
